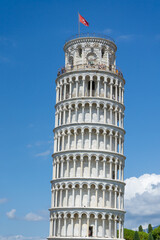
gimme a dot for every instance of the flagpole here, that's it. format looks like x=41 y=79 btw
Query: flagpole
x=78 y=25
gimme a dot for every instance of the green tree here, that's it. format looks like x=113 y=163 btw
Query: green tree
x=150 y=229
x=136 y=236
x=150 y=237
x=156 y=233
x=140 y=228
x=129 y=235
x=143 y=235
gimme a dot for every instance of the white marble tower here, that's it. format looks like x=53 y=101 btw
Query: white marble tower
x=88 y=159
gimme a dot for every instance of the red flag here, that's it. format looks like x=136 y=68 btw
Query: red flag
x=82 y=20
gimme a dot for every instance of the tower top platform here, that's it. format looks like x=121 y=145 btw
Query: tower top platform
x=88 y=37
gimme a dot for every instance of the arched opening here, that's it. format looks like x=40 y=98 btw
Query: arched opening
x=80 y=52
x=71 y=61
x=91 y=88
x=102 y=52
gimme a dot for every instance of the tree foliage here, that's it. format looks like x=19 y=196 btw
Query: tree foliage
x=156 y=233
x=150 y=229
x=136 y=236
x=150 y=237
x=129 y=235
x=140 y=228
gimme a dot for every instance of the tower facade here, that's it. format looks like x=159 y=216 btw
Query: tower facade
x=88 y=159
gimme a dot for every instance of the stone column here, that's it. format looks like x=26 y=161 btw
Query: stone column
x=98 y=86
x=82 y=142
x=59 y=226
x=81 y=166
x=76 y=114
x=105 y=111
x=80 y=196
x=72 y=226
x=119 y=229
x=115 y=197
x=65 y=226
x=66 y=196
x=116 y=95
x=56 y=197
x=90 y=138
x=55 y=226
x=69 y=140
x=69 y=113
x=63 y=135
x=111 y=108
x=74 y=167
x=98 y=112
x=110 y=219
x=120 y=144
x=119 y=199
x=89 y=196
x=120 y=120
x=115 y=227
x=97 y=138
x=96 y=225
x=111 y=136
x=97 y=160
x=116 y=162
x=104 y=168
x=89 y=166
x=67 y=167
x=110 y=195
x=122 y=233
x=111 y=161
x=90 y=112
x=64 y=90
x=116 y=110
x=70 y=88
x=120 y=167
x=83 y=118
x=104 y=133
x=105 y=88
x=64 y=115
x=90 y=94
x=83 y=79
x=60 y=91
x=51 y=227
x=77 y=87
x=120 y=95
x=111 y=89
x=75 y=139
x=116 y=137
x=87 y=226
x=96 y=189
x=80 y=226
x=52 y=201
x=104 y=198
x=60 y=198
x=103 y=227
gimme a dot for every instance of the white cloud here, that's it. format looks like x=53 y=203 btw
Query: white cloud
x=142 y=200
x=11 y=214
x=43 y=154
x=126 y=37
x=3 y=200
x=107 y=31
x=20 y=237
x=33 y=217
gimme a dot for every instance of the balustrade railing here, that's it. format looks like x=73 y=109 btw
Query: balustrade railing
x=101 y=67
x=90 y=35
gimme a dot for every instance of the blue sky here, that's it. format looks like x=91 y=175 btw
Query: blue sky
x=32 y=35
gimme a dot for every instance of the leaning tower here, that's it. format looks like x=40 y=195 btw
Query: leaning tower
x=88 y=160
